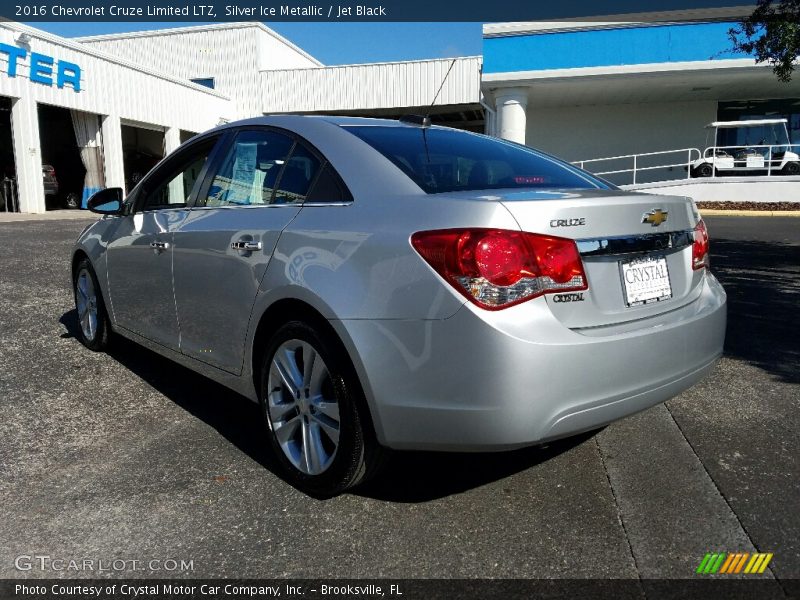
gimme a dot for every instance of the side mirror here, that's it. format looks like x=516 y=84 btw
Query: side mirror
x=106 y=202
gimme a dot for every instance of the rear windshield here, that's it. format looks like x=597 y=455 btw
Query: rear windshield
x=448 y=160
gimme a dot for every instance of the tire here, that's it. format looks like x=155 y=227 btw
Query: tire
x=791 y=168
x=72 y=201
x=315 y=413
x=704 y=170
x=93 y=324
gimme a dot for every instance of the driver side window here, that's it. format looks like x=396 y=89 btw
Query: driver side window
x=174 y=188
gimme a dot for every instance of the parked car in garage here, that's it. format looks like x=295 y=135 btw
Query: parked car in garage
x=49 y=180
x=71 y=199
x=378 y=284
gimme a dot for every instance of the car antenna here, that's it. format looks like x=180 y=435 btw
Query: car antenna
x=425 y=120
x=439 y=91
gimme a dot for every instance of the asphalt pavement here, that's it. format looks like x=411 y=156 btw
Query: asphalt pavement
x=129 y=456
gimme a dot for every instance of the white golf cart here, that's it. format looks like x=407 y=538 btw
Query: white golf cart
x=762 y=147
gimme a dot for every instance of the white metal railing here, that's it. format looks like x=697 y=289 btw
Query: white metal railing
x=692 y=154
x=760 y=157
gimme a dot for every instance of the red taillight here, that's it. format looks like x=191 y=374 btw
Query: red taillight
x=496 y=268
x=700 y=258
x=499 y=258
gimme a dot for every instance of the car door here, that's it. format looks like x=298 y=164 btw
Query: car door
x=224 y=245
x=140 y=253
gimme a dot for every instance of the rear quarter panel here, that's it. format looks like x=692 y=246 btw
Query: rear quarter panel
x=358 y=259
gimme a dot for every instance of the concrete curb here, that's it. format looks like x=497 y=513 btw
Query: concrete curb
x=749 y=213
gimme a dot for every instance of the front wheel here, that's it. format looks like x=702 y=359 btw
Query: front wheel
x=315 y=412
x=92 y=316
x=704 y=170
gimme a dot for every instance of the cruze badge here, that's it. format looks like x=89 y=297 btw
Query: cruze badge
x=655 y=217
x=568 y=222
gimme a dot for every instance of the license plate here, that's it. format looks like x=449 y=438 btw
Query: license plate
x=645 y=280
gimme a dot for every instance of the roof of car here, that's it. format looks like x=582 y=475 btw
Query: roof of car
x=341 y=121
x=345 y=121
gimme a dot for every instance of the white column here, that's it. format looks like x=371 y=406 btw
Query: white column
x=112 y=152
x=511 y=105
x=27 y=155
x=172 y=139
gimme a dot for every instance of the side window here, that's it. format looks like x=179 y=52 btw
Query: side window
x=174 y=189
x=299 y=172
x=329 y=188
x=251 y=169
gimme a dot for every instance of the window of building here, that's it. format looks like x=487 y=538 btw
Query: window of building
x=204 y=81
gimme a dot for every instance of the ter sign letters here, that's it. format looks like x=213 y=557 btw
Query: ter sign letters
x=43 y=68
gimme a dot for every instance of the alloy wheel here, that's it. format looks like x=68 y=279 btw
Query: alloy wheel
x=86 y=303
x=302 y=405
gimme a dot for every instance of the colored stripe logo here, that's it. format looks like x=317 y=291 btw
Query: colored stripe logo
x=729 y=563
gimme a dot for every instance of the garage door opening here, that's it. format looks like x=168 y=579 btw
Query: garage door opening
x=8 y=188
x=72 y=156
x=141 y=150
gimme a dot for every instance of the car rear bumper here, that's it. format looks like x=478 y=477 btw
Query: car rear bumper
x=482 y=381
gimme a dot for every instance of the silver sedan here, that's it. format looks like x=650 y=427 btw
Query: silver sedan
x=378 y=284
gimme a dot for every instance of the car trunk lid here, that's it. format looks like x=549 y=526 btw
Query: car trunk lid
x=636 y=250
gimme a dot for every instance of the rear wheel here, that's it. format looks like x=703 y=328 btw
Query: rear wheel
x=791 y=168
x=315 y=413
x=92 y=316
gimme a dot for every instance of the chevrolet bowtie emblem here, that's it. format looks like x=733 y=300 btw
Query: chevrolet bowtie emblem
x=655 y=217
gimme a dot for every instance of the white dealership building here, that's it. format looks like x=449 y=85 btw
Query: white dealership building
x=102 y=110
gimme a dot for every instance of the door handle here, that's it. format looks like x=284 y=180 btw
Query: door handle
x=159 y=245
x=246 y=246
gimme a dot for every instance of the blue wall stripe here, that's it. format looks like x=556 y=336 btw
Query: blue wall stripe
x=608 y=47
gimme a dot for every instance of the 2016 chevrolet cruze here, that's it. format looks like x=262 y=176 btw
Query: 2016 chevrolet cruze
x=380 y=284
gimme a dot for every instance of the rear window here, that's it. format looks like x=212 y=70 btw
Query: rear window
x=448 y=160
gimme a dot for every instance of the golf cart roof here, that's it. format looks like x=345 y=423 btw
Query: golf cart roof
x=750 y=123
